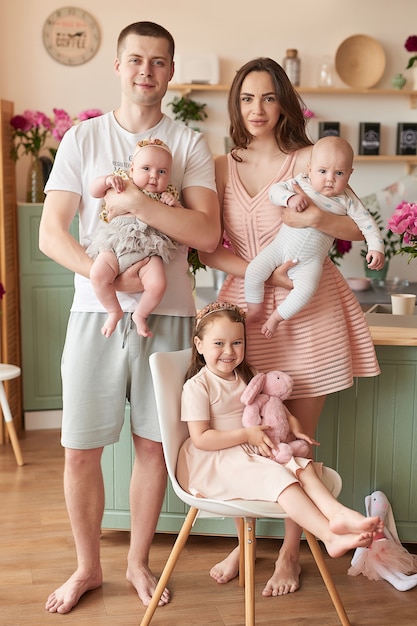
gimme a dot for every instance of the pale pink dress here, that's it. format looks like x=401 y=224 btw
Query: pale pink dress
x=325 y=345
x=236 y=472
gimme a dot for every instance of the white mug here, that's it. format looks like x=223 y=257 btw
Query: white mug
x=403 y=303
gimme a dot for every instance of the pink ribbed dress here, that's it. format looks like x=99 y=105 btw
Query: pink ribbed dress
x=328 y=343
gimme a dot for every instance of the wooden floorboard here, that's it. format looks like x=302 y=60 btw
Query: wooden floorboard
x=37 y=554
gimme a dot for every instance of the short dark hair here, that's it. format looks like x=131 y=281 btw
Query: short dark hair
x=145 y=29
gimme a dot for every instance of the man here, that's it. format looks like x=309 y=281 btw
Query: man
x=99 y=373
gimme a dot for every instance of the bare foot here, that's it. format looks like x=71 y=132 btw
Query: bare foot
x=285 y=579
x=142 y=327
x=338 y=545
x=348 y=521
x=63 y=599
x=145 y=583
x=271 y=324
x=110 y=324
x=227 y=569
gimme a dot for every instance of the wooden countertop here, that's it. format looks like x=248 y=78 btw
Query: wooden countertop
x=391 y=330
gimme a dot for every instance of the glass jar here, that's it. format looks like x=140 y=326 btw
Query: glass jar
x=291 y=65
x=326 y=73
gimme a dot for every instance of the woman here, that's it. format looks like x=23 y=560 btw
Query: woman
x=328 y=343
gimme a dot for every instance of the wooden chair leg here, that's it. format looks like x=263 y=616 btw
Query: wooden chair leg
x=250 y=540
x=327 y=579
x=241 y=531
x=10 y=426
x=170 y=564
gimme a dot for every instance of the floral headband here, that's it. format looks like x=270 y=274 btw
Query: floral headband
x=215 y=307
x=150 y=143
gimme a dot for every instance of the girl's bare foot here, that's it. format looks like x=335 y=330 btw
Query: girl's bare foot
x=63 y=599
x=285 y=579
x=338 y=545
x=349 y=521
x=145 y=583
x=227 y=569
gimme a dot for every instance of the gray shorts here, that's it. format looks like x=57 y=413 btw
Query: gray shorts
x=100 y=374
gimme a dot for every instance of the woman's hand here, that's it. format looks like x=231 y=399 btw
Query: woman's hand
x=279 y=277
x=295 y=428
x=129 y=281
x=257 y=437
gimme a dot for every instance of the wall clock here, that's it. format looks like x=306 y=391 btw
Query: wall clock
x=71 y=36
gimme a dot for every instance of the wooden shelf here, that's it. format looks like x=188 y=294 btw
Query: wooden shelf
x=409 y=159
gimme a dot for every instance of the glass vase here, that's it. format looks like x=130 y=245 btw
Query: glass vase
x=35 y=181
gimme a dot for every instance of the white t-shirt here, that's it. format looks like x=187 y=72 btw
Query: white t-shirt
x=98 y=146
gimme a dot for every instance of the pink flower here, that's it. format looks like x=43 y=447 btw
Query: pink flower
x=308 y=113
x=403 y=222
x=89 y=113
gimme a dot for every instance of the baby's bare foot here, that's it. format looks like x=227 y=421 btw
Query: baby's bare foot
x=142 y=327
x=285 y=579
x=227 y=569
x=271 y=325
x=348 y=521
x=63 y=599
x=110 y=324
x=145 y=584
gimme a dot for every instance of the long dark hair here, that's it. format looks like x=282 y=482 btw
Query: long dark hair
x=207 y=316
x=290 y=131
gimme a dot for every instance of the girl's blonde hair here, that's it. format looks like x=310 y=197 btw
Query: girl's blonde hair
x=207 y=316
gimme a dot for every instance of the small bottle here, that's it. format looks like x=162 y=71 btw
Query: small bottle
x=291 y=65
x=326 y=78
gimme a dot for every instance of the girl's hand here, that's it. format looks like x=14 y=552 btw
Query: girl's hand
x=295 y=428
x=257 y=437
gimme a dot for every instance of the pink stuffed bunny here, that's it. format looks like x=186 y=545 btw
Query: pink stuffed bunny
x=263 y=400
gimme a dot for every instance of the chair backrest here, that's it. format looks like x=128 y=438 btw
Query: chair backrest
x=168 y=371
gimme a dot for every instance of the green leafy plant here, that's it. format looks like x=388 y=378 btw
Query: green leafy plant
x=186 y=110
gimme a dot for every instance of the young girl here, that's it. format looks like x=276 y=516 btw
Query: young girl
x=223 y=460
x=127 y=239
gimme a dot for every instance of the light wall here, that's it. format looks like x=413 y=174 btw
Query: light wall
x=236 y=31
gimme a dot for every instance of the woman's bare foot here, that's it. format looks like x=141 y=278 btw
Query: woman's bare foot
x=142 y=327
x=63 y=599
x=227 y=569
x=349 y=521
x=111 y=322
x=145 y=583
x=338 y=545
x=286 y=577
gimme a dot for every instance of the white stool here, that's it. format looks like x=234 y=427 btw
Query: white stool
x=7 y=372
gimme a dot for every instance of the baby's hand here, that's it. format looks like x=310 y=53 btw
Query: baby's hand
x=375 y=260
x=298 y=202
x=168 y=199
x=116 y=182
x=257 y=437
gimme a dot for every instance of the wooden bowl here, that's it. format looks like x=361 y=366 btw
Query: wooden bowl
x=360 y=61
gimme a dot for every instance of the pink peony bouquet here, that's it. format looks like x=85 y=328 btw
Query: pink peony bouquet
x=31 y=129
x=411 y=46
x=403 y=222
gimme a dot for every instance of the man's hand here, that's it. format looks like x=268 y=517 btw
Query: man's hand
x=129 y=281
x=122 y=203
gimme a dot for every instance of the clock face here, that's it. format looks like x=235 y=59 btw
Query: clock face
x=71 y=36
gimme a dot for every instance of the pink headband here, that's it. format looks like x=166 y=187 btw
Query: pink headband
x=215 y=307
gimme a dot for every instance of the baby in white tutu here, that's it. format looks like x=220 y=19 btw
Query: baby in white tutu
x=125 y=240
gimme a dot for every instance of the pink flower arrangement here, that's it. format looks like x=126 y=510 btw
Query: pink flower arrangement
x=411 y=46
x=403 y=222
x=338 y=250
x=32 y=128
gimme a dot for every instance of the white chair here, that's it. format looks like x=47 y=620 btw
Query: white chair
x=168 y=372
x=8 y=372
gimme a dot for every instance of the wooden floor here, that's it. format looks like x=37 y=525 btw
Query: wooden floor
x=36 y=554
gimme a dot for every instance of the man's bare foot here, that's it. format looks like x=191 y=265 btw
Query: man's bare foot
x=145 y=583
x=63 y=599
x=142 y=327
x=348 y=521
x=228 y=569
x=285 y=579
x=271 y=324
x=338 y=545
